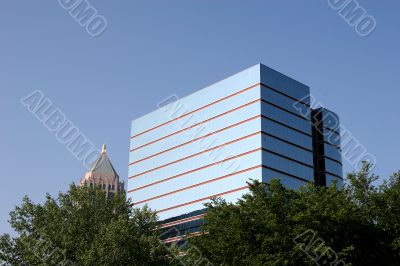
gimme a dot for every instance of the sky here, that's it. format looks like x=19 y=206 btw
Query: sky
x=153 y=49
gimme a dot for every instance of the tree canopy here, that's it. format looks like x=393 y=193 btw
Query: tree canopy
x=82 y=227
x=358 y=224
x=355 y=225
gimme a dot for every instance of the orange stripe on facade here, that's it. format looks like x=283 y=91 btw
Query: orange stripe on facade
x=198 y=184
x=195 y=125
x=203 y=199
x=284 y=94
x=172 y=239
x=186 y=143
x=220 y=100
x=198 y=109
x=177 y=238
x=197 y=169
x=210 y=149
x=189 y=219
x=205 y=136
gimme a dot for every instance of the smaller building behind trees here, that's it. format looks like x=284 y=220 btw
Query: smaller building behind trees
x=103 y=175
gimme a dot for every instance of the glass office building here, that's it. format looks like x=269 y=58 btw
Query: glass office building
x=326 y=147
x=256 y=124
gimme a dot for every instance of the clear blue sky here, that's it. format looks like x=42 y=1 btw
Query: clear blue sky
x=152 y=49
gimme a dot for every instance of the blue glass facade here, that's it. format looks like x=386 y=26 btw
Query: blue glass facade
x=256 y=124
x=327 y=152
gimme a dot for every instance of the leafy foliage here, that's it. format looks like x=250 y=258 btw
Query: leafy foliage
x=358 y=224
x=82 y=227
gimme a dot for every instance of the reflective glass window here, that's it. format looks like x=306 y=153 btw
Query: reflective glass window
x=287 y=149
x=286 y=118
x=287 y=134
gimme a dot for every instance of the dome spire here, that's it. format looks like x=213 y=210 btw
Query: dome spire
x=103 y=149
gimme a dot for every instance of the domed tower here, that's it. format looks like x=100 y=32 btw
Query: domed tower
x=103 y=174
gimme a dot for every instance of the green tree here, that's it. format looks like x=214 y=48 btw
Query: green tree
x=82 y=227
x=358 y=224
x=387 y=208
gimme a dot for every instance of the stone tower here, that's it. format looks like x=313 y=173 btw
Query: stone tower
x=103 y=174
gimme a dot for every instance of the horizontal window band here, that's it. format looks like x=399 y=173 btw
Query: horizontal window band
x=330 y=144
x=329 y=158
x=183 y=216
x=284 y=173
x=287 y=158
x=328 y=173
x=178 y=238
x=287 y=126
x=284 y=94
x=197 y=124
x=185 y=158
x=198 y=153
x=333 y=145
x=217 y=116
x=318 y=128
x=217 y=101
x=217 y=179
x=215 y=132
x=230 y=191
x=182 y=221
x=288 y=142
x=203 y=199
x=172 y=239
x=198 y=109
x=207 y=166
x=332 y=130
x=200 y=168
x=224 y=193
x=228 y=127
x=194 y=170
x=227 y=143
x=285 y=110
x=198 y=184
